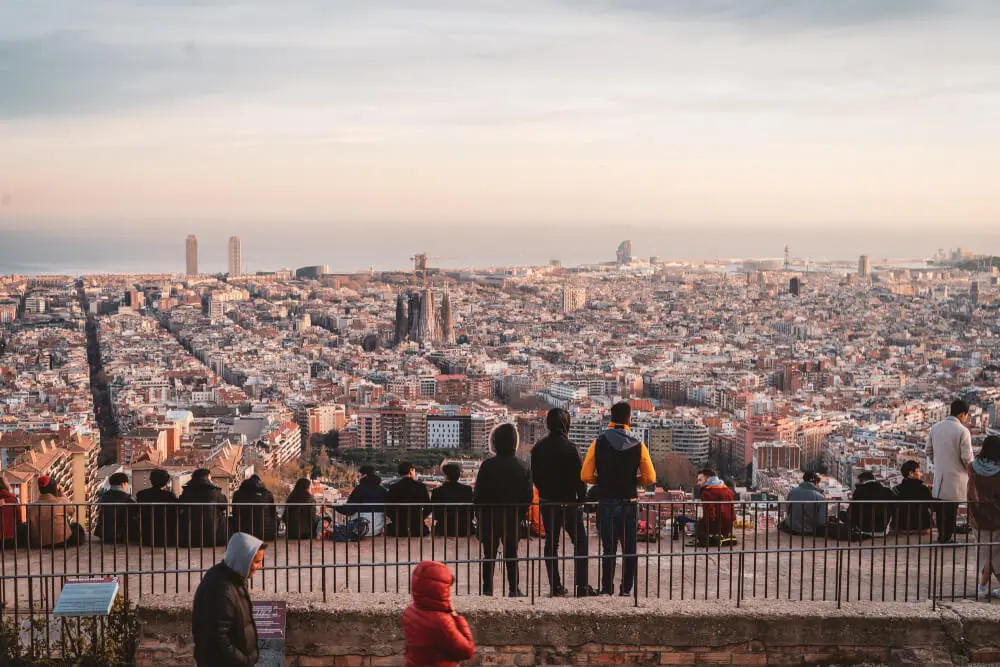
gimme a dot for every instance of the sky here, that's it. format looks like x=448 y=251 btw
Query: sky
x=217 y=117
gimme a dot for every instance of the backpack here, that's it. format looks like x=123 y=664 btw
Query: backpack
x=352 y=530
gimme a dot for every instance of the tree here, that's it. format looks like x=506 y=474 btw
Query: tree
x=332 y=441
x=674 y=471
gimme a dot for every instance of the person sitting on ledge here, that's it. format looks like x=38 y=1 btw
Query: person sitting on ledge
x=869 y=510
x=807 y=514
x=715 y=526
x=49 y=518
x=452 y=521
x=912 y=517
x=412 y=504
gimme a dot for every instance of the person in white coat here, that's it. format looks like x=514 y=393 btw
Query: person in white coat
x=949 y=448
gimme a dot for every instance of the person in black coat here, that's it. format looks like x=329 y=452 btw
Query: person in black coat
x=555 y=470
x=453 y=521
x=872 y=516
x=117 y=519
x=912 y=516
x=203 y=512
x=300 y=511
x=254 y=511
x=157 y=511
x=222 y=622
x=412 y=504
x=368 y=497
x=503 y=495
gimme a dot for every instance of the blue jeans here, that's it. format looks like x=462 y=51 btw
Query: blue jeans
x=619 y=522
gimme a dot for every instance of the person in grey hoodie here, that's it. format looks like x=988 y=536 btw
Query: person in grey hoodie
x=805 y=515
x=225 y=634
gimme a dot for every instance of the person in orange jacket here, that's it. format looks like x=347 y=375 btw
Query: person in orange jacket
x=618 y=463
x=436 y=636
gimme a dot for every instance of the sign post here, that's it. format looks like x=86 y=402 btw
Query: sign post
x=88 y=596
x=270 y=620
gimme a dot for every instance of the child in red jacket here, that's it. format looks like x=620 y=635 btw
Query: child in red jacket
x=436 y=636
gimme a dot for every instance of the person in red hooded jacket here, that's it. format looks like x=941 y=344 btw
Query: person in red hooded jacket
x=436 y=636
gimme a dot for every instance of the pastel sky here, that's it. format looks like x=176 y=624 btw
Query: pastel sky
x=648 y=112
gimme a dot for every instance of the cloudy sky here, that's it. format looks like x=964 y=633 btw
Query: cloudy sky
x=645 y=112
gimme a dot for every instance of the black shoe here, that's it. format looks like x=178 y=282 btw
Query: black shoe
x=488 y=592
x=587 y=592
x=559 y=592
x=625 y=594
x=606 y=593
x=516 y=594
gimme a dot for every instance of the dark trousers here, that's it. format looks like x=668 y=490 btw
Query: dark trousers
x=555 y=518
x=619 y=524
x=493 y=534
x=947 y=516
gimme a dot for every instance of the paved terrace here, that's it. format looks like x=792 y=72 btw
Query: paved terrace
x=765 y=564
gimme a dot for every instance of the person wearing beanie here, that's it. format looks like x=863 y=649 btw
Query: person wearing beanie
x=117 y=515
x=158 y=511
x=555 y=470
x=502 y=496
x=50 y=518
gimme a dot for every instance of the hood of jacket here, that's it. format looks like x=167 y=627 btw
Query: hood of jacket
x=431 y=586
x=200 y=483
x=620 y=438
x=240 y=553
x=986 y=468
x=713 y=482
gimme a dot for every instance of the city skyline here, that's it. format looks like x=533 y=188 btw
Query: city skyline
x=713 y=114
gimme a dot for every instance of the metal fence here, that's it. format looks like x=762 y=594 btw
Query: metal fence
x=682 y=551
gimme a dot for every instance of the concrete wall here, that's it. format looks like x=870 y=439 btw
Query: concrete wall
x=365 y=630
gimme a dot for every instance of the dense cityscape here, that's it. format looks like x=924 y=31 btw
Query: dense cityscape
x=761 y=368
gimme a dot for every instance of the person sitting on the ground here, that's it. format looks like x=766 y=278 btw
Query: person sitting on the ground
x=912 y=517
x=158 y=511
x=456 y=519
x=117 y=513
x=806 y=514
x=49 y=518
x=408 y=504
x=254 y=511
x=12 y=531
x=203 y=512
x=870 y=502
x=367 y=501
x=300 y=511
x=984 y=510
x=436 y=636
x=717 y=512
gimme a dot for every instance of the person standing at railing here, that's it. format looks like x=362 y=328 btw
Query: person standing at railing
x=949 y=448
x=225 y=634
x=912 y=517
x=436 y=636
x=10 y=524
x=453 y=504
x=618 y=463
x=502 y=494
x=984 y=511
x=409 y=504
x=117 y=515
x=300 y=511
x=254 y=511
x=49 y=518
x=158 y=511
x=555 y=470
x=203 y=512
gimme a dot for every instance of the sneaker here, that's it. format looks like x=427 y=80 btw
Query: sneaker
x=516 y=594
x=981 y=592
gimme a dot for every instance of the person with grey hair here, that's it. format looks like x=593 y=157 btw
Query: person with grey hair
x=503 y=494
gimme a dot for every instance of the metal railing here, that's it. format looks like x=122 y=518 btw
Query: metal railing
x=677 y=550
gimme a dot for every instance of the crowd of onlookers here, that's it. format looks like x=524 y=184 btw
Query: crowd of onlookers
x=510 y=499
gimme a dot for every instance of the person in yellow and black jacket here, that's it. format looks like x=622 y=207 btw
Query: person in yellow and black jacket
x=618 y=463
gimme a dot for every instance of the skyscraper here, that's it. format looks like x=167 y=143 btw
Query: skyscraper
x=974 y=292
x=864 y=267
x=624 y=253
x=192 y=254
x=447 y=320
x=401 y=321
x=794 y=286
x=235 y=256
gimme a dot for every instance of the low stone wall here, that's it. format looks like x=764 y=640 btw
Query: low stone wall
x=356 y=630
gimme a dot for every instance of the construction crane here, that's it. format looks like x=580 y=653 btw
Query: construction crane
x=420 y=265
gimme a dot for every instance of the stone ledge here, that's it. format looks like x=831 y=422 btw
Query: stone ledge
x=365 y=630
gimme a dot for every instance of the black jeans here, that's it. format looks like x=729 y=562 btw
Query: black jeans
x=947 y=516
x=555 y=518
x=493 y=534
